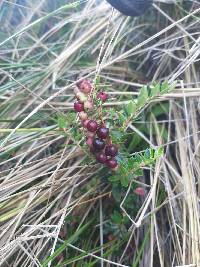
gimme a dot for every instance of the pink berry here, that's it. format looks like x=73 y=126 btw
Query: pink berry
x=112 y=163
x=92 y=126
x=85 y=86
x=101 y=157
x=140 y=191
x=85 y=123
x=78 y=106
x=111 y=150
x=103 y=132
x=88 y=104
x=98 y=144
x=103 y=96
x=89 y=141
x=83 y=116
x=91 y=134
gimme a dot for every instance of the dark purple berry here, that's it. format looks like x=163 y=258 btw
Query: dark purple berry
x=85 y=86
x=111 y=150
x=103 y=96
x=92 y=126
x=78 y=106
x=92 y=150
x=101 y=157
x=103 y=132
x=112 y=163
x=98 y=144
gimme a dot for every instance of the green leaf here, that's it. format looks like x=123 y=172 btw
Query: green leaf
x=117 y=217
x=62 y=122
x=122 y=117
x=147 y=154
x=131 y=108
x=138 y=172
x=159 y=152
x=143 y=97
x=155 y=90
x=165 y=87
x=124 y=180
x=116 y=135
x=113 y=178
x=116 y=192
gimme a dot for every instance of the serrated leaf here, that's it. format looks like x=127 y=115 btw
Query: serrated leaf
x=131 y=108
x=143 y=97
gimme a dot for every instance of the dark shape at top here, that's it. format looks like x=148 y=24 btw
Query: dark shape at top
x=131 y=7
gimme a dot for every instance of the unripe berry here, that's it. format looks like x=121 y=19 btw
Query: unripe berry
x=85 y=86
x=112 y=163
x=85 y=123
x=92 y=126
x=111 y=150
x=103 y=132
x=78 y=106
x=88 y=104
x=103 y=96
x=83 y=116
x=98 y=144
x=81 y=97
x=101 y=157
x=89 y=141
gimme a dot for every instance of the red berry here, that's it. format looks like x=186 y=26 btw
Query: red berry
x=85 y=86
x=112 y=163
x=140 y=191
x=78 y=106
x=101 y=158
x=92 y=126
x=98 y=144
x=103 y=132
x=103 y=96
x=111 y=150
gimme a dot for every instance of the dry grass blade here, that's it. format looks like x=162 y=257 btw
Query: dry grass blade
x=55 y=206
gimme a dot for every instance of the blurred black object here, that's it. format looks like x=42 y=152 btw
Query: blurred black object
x=131 y=7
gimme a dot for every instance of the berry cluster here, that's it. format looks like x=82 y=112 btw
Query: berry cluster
x=98 y=138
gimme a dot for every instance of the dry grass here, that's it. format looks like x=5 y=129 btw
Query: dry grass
x=45 y=46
